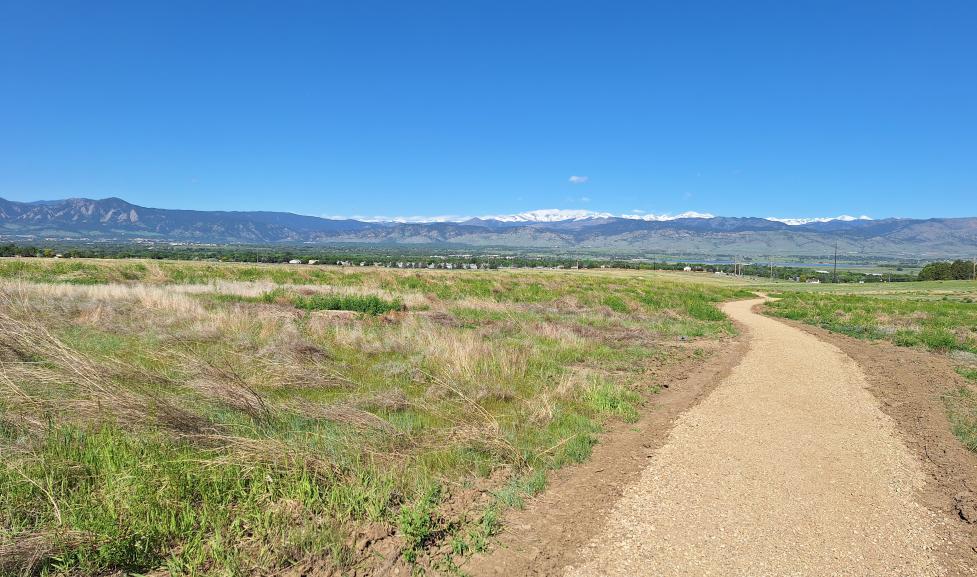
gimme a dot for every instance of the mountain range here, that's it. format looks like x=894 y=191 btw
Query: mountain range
x=113 y=219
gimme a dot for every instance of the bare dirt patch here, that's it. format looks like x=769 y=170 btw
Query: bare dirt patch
x=910 y=385
x=550 y=532
x=560 y=529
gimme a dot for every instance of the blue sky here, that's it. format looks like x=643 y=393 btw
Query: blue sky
x=773 y=108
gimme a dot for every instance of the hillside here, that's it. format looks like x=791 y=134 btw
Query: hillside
x=116 y=219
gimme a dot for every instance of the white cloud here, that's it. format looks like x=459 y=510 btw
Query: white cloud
x=579 y=179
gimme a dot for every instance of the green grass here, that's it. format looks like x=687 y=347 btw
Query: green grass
x=214 y=434
x=927 y=289
x=961 y=406
x=369 y=304
x=914 y=317
x=616 y=304
x=968 y=373
x=609 y=399
x=135 y=497
x=365 y=304
x=939 y=325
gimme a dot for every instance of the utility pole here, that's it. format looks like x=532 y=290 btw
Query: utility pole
x=834 y=278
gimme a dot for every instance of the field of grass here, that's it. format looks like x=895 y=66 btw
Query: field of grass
x=907 y=318
x=940 y=316
x=222 y=419
x=955 y=289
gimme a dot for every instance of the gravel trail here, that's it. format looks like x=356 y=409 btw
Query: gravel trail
x=788 y=468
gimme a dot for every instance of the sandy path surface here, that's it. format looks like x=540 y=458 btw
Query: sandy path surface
x=788 y=468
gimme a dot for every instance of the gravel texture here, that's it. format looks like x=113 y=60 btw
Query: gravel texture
x=788 y=468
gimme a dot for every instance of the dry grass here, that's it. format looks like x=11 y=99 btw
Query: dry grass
x=155 y=407
x=25 y=553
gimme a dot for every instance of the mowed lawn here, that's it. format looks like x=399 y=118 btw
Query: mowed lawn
x=226 y=419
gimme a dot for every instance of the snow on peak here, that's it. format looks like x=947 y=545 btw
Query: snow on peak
x=664 y=217
x=541 y=215
x=559 y=215
x=797 y=221
x=549 y=215
x=569 y=214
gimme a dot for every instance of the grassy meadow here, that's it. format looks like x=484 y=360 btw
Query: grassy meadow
x=226 y=419
x=940 y=316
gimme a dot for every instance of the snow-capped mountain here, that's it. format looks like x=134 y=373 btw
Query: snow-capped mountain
x=667 y=217
x=552 y=215
x=563 y=215
x=113 y=219
x=548 y=215
x=800 y=221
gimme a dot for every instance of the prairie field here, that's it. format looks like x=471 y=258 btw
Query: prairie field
x=226 y=419
x=938 y=316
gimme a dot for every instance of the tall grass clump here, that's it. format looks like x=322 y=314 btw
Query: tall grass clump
x=369 y=304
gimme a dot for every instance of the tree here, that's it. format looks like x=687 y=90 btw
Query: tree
x=961 y=270
x=935 y=271
x=956 y=270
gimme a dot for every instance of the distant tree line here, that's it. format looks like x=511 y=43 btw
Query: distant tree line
x=333 y=255
x=945 y=270
x=408 y=257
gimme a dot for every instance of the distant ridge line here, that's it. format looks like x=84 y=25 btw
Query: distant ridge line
x=116 y=219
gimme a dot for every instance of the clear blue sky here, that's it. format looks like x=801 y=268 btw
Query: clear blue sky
x=773 y=108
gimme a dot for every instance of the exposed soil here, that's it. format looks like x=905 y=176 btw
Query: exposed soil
x=910 y=385
x=801 y=462
x=550 y=532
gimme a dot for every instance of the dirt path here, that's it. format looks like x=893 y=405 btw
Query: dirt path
x=549 y=533
x=789 y=467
